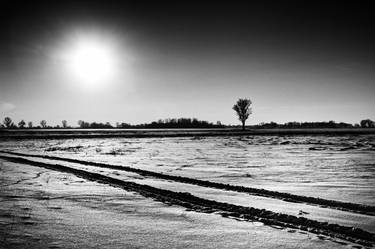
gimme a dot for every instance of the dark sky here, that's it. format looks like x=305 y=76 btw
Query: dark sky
x=297 y=60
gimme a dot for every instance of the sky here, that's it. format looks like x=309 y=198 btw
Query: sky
x=296 y=60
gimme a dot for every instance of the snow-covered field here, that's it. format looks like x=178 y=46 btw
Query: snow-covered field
x=48 y=209
x=332 y=167
x=70 y=210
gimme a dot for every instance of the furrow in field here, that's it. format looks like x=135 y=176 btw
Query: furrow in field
x=345 y=206
x=196 y=203
x=301 y=209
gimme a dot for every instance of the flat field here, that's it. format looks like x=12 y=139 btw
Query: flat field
x=257 y=191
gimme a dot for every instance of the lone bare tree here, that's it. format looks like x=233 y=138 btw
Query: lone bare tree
x=43 y=123
x=8 y=122
x=243 y=110
x=367 y=123
x=81 y=123
x=30 y=124
x=64 y=123
x=21 y=124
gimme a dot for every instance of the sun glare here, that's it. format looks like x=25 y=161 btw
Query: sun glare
x=92 y=62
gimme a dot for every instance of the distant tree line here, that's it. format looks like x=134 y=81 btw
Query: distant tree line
x=9 y=124
x=174 y=123
x=87 y=125
x=367 y=123
x=160 y=124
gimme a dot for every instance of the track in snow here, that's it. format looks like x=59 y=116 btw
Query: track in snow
x=195 y=203
x=344 y=206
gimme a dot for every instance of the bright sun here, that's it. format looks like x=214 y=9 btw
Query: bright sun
x=92 y=62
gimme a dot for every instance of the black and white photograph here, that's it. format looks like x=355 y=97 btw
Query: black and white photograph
x=187 y=124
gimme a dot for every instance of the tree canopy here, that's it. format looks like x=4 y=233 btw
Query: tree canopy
x=243 y=110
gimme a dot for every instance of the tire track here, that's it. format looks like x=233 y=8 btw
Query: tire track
x=344 y=206
x=195 y=203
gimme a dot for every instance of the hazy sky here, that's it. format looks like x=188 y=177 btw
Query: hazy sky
x=297 y=61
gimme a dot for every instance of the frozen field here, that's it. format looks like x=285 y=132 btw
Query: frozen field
x=340 y=168
x=48 y=209
x=333 y=167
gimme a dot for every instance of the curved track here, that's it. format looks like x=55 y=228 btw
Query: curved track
x=199 y=204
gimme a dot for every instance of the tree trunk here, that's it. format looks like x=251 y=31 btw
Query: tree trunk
x=243 y=125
